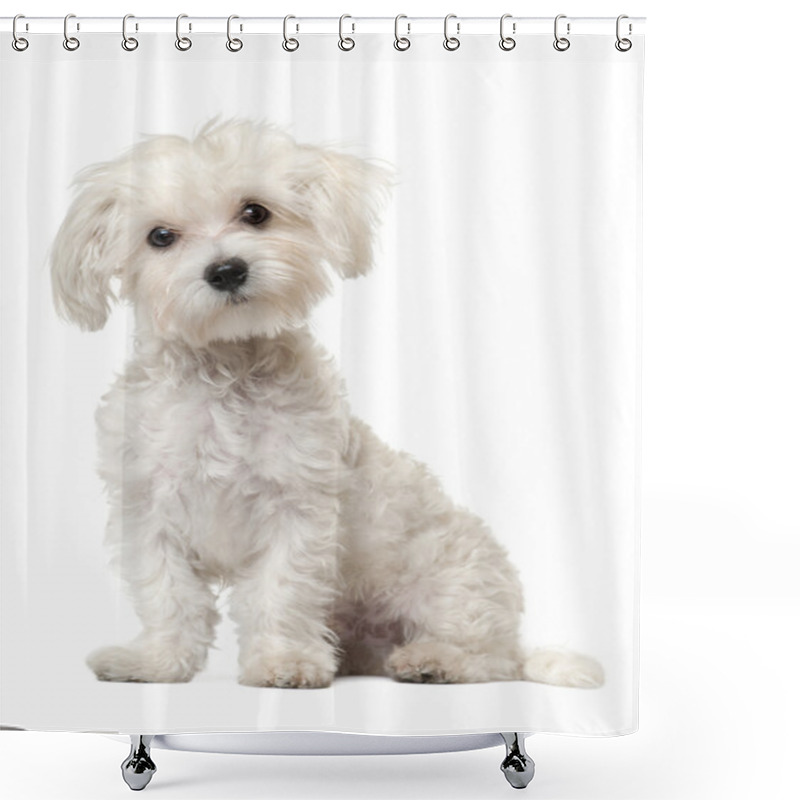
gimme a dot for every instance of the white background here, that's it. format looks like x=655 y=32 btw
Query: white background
x=721 y=436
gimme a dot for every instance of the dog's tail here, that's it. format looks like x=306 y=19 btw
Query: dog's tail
x=563 y=668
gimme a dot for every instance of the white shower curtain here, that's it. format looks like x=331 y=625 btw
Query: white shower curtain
x=496 y=339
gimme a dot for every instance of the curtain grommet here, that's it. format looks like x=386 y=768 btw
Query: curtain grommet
x=401 y=43
x=129 y=43
x=19 y=43
x=233 y=44
x=623 y=44
x=346 y=43
x=451 y=43
x=561 y=43
x=183 y=43
x=289 y=44
x=70 y=43
x=507 y=42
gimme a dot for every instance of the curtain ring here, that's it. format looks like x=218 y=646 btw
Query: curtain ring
x=561 y=43
x=346 y=43
x=234 y=45
x=70 y=42
x=129 y=43
x=451 y=42
x=401 y=42
x=181 y=42
x=289 y=44
x=623 y=45
x=506 y=42
x=18 y=42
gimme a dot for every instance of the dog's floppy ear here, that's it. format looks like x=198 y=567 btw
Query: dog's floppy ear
x=346 y=195
x=88 y=250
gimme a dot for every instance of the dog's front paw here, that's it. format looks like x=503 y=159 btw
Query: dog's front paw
x=140 y=664
x=289 y=671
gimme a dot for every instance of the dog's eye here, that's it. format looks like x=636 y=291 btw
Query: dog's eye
x=161 y=237
x=254 y=214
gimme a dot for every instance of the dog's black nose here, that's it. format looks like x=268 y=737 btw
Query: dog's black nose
x=226 y=276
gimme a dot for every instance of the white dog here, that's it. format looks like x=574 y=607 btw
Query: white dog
x=227 y=446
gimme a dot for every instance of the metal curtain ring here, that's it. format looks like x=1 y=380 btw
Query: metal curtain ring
x=289 y=44
x=451 y=42
x=234 y=45
x=561 y=43
x=345 y=42
x=129 y=43
x=18 y=42
x=401 y=42
x=623 y=45
x=70 y=42
x=506 y=42
x=181 y=42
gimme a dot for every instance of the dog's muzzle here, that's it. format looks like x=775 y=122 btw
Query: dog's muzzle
x=226 y=276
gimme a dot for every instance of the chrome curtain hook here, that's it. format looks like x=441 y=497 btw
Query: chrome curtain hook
x=507 y=42
x=623 y=45
x=451 y=42
x=70 y=42
x=234 y=45
x=561 y=43
x=346 y=42
x=18 y=42
x=401 y=42
x=289 y=44
x=129 y=43
x=181 y=42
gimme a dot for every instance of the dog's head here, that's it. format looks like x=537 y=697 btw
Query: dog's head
x=227 y=236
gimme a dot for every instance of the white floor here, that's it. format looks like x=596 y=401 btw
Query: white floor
x=719 y=708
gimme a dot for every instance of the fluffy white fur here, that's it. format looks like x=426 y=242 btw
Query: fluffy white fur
x=228 y=450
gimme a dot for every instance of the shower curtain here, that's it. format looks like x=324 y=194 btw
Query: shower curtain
x=459 y=228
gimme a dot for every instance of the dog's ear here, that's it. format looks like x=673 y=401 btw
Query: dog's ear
x=345 y=195
x=88 y=250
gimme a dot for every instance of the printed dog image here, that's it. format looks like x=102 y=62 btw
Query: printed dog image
x=227 y=448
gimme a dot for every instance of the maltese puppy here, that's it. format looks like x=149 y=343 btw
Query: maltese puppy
x=227 y=447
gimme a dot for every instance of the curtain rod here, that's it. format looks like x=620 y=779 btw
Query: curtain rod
x=327 y=25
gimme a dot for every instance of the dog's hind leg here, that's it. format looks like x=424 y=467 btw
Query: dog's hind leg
x=422 y=661
x=461 y=609
x=431 y=568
